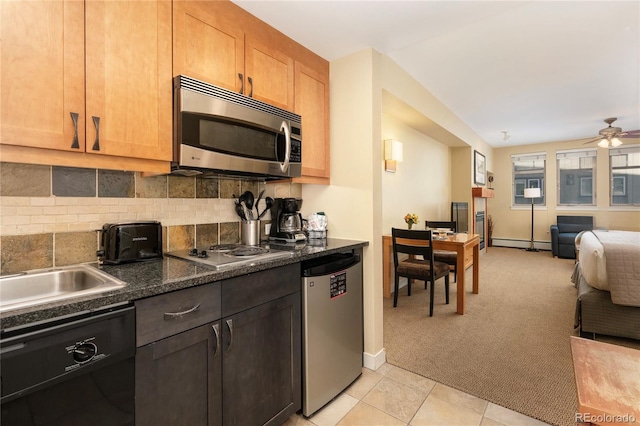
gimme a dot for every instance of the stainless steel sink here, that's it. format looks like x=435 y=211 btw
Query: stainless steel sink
x=46 y=286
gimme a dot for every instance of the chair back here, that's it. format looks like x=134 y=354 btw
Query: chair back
x=441 y=224
x=417 y=243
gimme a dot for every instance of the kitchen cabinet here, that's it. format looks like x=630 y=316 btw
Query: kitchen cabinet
x=312 y=103
x=221 y=44
x=90 y=78
x=178 y=379
x=230 y=354
x=179 y=359
x=262 y=355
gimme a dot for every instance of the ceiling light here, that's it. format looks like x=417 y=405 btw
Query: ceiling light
x=505 y=135
x=616 y=142
x=603 y=143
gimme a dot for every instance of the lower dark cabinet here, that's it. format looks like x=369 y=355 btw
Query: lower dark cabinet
x=227 y=353
x=261 y=377
x=178 y=379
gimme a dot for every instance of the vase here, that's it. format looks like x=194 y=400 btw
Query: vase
x=410 y=225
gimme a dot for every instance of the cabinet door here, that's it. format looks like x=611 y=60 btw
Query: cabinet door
x=312 y=103
x=178 y=379
x=42 y=73
x=206 y=46
x=128 y=78
x=269 y=74
x=262 y=363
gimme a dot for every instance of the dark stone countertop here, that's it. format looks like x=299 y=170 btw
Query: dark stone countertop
x=159 y=276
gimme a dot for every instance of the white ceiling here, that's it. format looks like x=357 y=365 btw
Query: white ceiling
x=541 y=70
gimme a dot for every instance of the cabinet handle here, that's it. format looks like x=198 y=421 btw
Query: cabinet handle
x=230 y=327
x=74 y=117
x=251 y=87
x=174 y=315
x=241 y=77
x=96 y=144
x=216 y=330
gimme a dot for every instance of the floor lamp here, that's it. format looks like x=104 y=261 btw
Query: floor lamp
x=532 y=193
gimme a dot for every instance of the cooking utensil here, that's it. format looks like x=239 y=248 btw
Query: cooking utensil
x=246 y=199
x=249 y=199
x=258 y=202
x=269 y=202
x=240 y=211
x=248 y=214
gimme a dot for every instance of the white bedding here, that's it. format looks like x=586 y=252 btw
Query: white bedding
x=592 y=261
x=610 y=260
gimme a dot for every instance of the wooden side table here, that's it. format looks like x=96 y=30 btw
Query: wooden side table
x=607 y=382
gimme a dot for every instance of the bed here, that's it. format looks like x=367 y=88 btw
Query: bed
x=607 y=276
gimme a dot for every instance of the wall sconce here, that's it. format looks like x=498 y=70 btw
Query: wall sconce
x=392 y=154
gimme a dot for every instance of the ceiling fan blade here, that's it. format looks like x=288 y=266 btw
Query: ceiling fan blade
x=629 y=134
x=592 y=140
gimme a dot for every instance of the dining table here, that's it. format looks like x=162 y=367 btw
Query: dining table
x=467 y=247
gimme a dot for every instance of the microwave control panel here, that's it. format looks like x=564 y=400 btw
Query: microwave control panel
x=296 y=151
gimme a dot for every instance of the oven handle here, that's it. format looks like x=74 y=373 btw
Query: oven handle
x=287 y=151
x=174 y=315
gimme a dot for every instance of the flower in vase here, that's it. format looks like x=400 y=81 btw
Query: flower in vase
x=411 y=219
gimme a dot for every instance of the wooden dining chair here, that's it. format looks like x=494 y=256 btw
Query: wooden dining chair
x=448 y=257
x=417 y=243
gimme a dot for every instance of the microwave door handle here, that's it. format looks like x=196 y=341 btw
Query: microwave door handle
x=287 y=140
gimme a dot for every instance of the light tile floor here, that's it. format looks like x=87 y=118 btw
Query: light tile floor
x=393 y=396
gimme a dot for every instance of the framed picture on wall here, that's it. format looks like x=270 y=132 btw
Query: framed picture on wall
x=480 y=168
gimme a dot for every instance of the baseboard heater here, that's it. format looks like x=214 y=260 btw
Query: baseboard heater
x=505 y=242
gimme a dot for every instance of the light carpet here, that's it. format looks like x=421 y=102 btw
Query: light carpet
x=511 y=347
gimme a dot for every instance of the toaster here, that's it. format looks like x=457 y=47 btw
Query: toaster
x=130 y=242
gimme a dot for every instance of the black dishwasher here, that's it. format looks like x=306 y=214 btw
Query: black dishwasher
x=75 y=371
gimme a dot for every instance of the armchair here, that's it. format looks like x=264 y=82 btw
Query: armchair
x=564 y=232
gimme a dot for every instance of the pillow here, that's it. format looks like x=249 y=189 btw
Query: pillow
x=593 y=262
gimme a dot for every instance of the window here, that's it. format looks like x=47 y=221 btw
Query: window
x=624 y=169
x=528 y=172
x=576 y=177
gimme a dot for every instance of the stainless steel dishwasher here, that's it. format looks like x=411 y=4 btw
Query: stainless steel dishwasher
x=332 y=327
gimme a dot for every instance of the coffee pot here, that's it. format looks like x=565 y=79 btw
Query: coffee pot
x=286 y=221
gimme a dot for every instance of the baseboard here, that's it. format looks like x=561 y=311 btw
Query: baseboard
x=373 y=362
x=504 y=242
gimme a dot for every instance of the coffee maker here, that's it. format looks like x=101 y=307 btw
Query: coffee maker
x=286 y=221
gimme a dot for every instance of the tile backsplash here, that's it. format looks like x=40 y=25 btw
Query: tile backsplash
x=50 y=215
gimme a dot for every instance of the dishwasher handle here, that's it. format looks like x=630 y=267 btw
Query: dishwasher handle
x=330 y=264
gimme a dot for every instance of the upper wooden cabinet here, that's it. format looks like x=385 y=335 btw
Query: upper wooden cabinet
x=128 y=78
x=312 y=103
x=90 y=77
x=42 y=73
x=221 y=44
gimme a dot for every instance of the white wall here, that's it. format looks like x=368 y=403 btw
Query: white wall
x=421 y=183
x=352 y=201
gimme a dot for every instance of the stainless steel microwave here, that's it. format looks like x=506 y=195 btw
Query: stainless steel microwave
x=221 y=132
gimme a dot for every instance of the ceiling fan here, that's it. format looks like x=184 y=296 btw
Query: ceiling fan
x=610 y=136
